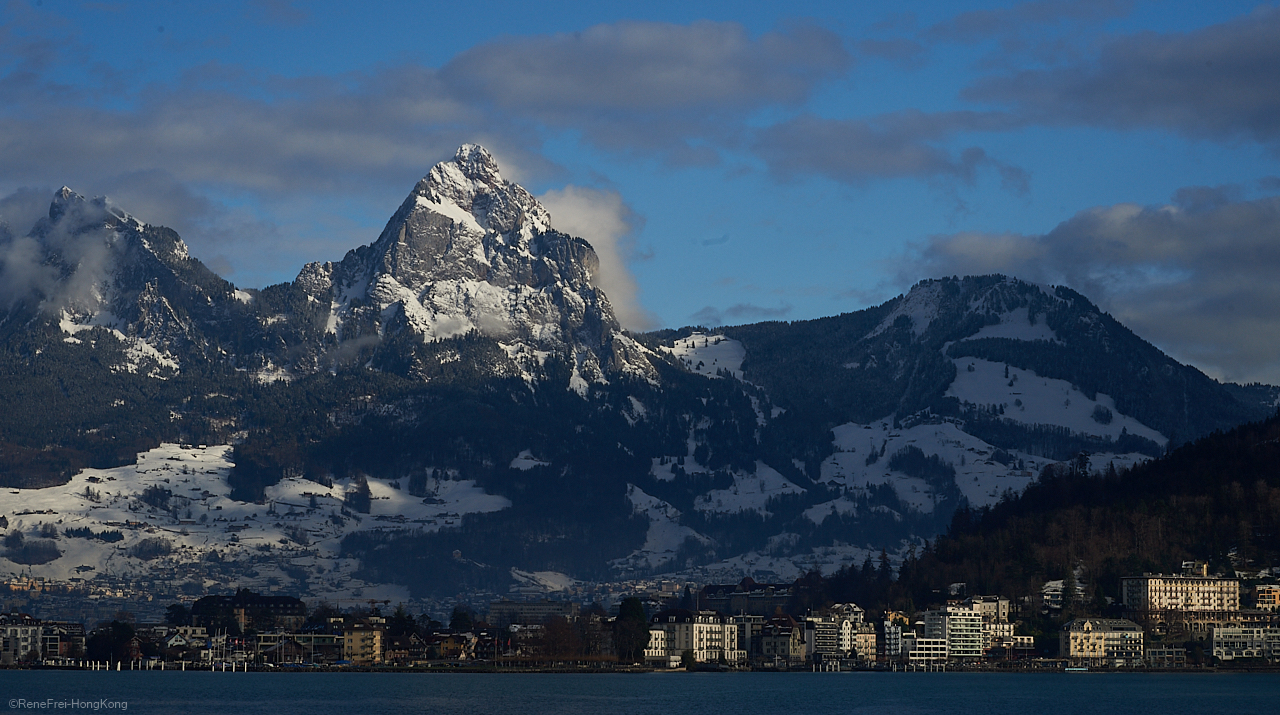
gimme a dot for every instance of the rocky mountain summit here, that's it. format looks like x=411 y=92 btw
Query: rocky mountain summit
x=469 y=251
x=89 y=264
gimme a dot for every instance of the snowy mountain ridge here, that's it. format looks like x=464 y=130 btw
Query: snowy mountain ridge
x=467 y=355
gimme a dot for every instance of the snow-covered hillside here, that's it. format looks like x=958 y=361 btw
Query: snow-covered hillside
x=708 y=354
x=1031 y=399
x=980 y=478
x=750 y=492
x=170 y=517
x=665 y=535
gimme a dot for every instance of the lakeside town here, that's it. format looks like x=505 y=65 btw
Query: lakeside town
x=1186 y=620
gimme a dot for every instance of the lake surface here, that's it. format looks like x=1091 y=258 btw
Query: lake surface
x=656 y=693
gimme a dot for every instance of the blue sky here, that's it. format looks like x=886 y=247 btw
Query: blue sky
x=734 y=162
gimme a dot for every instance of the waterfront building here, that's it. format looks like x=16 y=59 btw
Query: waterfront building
x=960 y=627
x=927 y=652
x=782 y=642
x=20 y=637
x=864 y=643
x=363 y=642
x=750 y=627
x=1193 y=603
x=822 y=638
x=1233 y=643
x=1166 y=657
x=995 y=635
x=1111 y=642
x=711 y=638
x=893 y=640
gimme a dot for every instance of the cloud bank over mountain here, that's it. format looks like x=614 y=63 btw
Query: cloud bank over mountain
x=1196 y=274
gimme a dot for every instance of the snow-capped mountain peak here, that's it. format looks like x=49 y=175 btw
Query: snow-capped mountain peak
x=473 y=184
x=90 y=264
x=469 y=252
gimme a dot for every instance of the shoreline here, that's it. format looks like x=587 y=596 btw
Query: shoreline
x=570 y=670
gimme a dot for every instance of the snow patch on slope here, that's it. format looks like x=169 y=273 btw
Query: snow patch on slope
x=526 y=461
x=843 y=506
x=920 y=305
x=750 y=492
x=980 y=479
x=780 y=568
x=1032 y=399
x=542 y=581
x=707 y=354
x=665 y=535
x=1017 y=325
x=139 y=354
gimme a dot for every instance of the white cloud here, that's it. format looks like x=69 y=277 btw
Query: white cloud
x=608 y=224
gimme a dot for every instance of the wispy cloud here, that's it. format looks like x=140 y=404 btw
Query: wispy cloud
x=908 y=144
x=1221 y=82
x=651 y=86
x=738 y=313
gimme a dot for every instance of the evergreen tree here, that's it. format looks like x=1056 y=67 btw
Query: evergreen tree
x=460 y=621
x=631 y=631
x=401 y=622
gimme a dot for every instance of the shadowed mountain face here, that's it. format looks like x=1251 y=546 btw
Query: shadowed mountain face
x=469 y=345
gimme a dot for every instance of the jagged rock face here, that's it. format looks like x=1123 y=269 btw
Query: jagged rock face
x=469 y=251
x=90 y=264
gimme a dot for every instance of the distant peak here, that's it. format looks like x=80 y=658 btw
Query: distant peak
x=62 y=198
x=99 y=209
x=476 y=163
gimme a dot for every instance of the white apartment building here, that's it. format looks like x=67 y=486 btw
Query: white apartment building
x=1231 y=643
x=1158 y=592
x=837 y=632
x=994 y=609
x=20 y=637
x=928 y=652
x=892 y=640
x=960 y=627
x=821 y=637
x=996 y=635
x=710 y=636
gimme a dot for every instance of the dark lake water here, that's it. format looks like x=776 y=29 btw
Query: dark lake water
x=656 y=693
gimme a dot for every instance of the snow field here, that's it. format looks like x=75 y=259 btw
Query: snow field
x=706 y=354
x=665 y=535
x=260 y=542
x=1032 y=399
